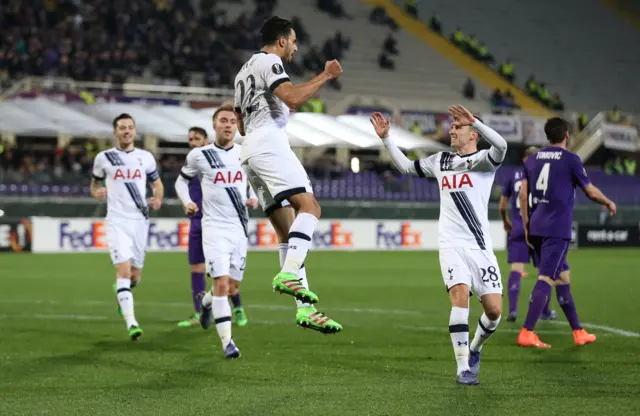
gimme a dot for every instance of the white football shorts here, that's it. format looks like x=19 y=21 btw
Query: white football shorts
x=127 y=240
x=275 y=175
x=225 y=252
x=475 y=268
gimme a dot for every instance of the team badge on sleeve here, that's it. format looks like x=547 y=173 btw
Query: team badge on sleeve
x=277 y=69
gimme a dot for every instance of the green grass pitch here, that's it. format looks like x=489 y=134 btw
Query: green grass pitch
x=64 y=350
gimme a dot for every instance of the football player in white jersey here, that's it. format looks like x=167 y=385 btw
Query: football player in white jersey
x=224 y=222
x=263 y=96
x=125 y=170
x=467 y=261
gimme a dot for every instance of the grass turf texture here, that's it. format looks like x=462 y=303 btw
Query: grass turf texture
x=64 y=350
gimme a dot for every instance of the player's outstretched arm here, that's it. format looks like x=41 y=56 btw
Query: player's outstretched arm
x=596 y=195
x=400 y=161
x=296 y=95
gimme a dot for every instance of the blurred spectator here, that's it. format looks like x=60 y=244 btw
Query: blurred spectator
x=543 y=94
x=458 y=38
x=313 y=61
x=614 y=116
x=556 y=104
x=385 y=61
x=333 y=8
x=390 y=45
x=410 y=8
x=506 y=71
x=532 y=86
x=378 y=16
x=496 y=98
x=416 y=129
x=483 y=55
x=471 y=45
x=435 y=24
x=583 y=120
x=469 y=89
x=302 y=35
x=342 y=42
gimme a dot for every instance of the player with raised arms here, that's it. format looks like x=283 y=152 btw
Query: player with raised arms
x=551 y=176
x=467 y=260
x=263 y=96
x=518 y=251
x=125 y=170
x=224 y=125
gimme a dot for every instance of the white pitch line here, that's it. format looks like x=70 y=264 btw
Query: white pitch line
x=605 y=328
x=612 y=330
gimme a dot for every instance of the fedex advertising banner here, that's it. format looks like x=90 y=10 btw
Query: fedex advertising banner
x=53 y=235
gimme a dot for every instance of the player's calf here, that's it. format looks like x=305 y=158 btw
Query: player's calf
x=487 y=325
x=221 y=311
x=459 y=326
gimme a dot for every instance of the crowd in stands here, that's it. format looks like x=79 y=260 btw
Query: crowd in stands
x=109 y=40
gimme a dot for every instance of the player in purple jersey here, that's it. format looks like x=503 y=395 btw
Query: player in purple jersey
x=519 y=253
x=551 y=176
x=225 y=128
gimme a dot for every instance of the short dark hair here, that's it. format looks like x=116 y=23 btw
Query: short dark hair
x=199 y=130
x=274 y=28
x=556 y=129
x=123 y=116
x=224 y=107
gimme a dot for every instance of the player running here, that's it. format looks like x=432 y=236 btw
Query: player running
x=519 y=253
x=466 y=254
x=554 y=173
x=224 y=222
x=125 y=170
x=224 y=124
x=263 y=96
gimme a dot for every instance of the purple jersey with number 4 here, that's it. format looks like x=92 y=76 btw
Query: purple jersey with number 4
x=553 y=174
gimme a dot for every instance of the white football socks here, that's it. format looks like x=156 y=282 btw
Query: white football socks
x=300 y=236
x=125 y=300
x=486 y=328
x=302 y=273
x=459 y=331
x=222 y=318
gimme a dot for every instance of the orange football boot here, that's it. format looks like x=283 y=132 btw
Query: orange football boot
x=582 y=337
x=528 y=338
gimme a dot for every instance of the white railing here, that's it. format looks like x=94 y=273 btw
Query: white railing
x=127 y=89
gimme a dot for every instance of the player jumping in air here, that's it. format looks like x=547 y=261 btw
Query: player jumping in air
x=518 y=251
x=263 y=96
x=466 y=254
x=551 y=176
x=125 y=170
x=224 y=124
x=224 y=222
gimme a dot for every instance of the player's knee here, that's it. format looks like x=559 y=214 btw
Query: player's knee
x=494 y=312
x=564 y=278
x=547 y=279
x=233 y=289
x=197 y=268
x=517 y=267
x=221 y=286
x=459 y=295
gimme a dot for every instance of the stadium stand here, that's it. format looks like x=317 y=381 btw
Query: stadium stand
x=551 y=42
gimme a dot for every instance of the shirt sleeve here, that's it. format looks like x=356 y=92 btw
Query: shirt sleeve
x=424 y=167
x=98 y=171
x=273 y=72
x=579 y=173
x=152 y=169
x=190 y=168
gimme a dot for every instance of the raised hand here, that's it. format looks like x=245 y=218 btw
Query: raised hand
x=333 y=68
x=463 y=116
x=380 y=124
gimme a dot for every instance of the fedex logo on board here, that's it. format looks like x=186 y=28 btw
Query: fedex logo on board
x=406 y=236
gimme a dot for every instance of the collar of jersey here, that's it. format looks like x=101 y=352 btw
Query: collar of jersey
x=222 y=148
x=468 y=154
x=261 y=52
x=125 y=151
